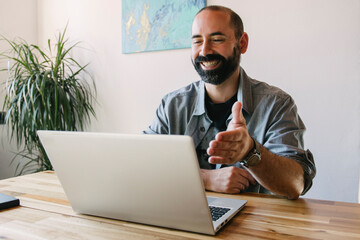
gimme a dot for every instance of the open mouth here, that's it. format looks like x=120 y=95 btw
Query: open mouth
x=209 y=65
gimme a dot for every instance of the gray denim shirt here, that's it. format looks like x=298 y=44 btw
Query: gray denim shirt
x=270 y=113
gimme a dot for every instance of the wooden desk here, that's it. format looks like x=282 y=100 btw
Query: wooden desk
x=45 y=213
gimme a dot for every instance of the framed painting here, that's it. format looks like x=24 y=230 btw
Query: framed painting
x=153 y=25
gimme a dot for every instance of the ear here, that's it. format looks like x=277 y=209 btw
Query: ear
x=244 y=41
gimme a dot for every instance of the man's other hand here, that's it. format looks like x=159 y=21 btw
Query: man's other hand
x=227 y=180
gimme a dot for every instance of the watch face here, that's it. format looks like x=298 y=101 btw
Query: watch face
x=253 y=160
x=254 y=156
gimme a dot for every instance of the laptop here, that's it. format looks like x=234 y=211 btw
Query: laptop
x=147 y=179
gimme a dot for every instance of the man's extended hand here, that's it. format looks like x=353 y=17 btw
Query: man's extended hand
x=227 y=180
x=233 y=144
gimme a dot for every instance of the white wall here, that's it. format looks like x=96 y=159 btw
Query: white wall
x=18 y=18
x=311 y=49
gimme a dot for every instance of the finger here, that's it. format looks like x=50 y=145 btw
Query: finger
x=240 y=179
x=237 y=116
x=237 y=189
x=231 y=135
x=245 y=184
x=237 y=186
x=222 y=153
x=230 y=146
x=219 y=160
x=245 y=174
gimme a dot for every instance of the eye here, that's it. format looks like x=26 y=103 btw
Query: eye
x=218 y=40
x=196 y=41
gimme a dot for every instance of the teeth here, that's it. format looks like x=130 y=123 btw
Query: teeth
x=210 y=63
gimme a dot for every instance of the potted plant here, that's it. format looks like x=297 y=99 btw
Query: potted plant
x=44 y=91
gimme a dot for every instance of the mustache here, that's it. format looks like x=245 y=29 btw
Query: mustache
x=209 y=57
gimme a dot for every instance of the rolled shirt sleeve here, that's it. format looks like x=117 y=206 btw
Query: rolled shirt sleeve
x=283 y=132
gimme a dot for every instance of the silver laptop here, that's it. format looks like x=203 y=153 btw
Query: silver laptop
x=149 y=179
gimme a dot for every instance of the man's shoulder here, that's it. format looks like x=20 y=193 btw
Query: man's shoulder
x=189 y=91
x=263 y=89
x=261 y=95
x=179 y=105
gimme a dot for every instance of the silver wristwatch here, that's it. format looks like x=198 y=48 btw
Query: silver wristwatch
x=253 y=157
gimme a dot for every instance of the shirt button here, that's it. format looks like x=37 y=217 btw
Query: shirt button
x=202 y=129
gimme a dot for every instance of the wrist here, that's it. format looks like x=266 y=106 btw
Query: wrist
x=204 y=176
x=253 y=157
x=251 y=146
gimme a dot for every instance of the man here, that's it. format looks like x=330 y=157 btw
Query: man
x=248 y=135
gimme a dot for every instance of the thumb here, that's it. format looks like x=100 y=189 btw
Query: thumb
x=238 y=118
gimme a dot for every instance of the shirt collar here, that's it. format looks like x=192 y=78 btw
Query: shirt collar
x=244 y=92
x=200 y=101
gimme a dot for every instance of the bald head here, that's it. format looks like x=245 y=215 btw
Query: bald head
x=235 y=21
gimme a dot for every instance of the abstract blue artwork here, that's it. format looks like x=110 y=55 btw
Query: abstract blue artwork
x=152 y=25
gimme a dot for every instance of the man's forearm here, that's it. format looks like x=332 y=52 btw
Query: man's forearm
x=279 y=175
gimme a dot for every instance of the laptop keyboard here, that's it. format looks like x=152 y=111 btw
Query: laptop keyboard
x=218 y=212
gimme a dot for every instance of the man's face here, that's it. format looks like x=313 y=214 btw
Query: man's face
x=215 y=50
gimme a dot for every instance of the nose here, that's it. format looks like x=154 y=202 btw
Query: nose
x=206 y=48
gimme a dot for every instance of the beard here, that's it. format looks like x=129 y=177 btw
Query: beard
x=224 y=71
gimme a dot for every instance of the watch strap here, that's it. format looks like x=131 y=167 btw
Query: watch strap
x=253 y=157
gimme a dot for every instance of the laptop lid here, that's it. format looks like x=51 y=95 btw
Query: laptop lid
x=150 y=179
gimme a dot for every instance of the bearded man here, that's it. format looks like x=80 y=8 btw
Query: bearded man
x=248 y=134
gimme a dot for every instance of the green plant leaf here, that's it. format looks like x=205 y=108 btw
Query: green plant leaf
x=44 y=92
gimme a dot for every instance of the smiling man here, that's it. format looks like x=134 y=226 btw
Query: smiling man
x=248 y=135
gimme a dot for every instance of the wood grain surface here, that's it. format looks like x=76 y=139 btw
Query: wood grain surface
x=45 y=213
